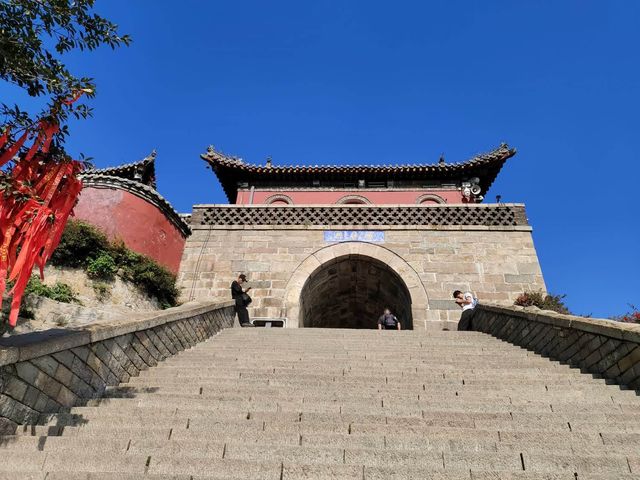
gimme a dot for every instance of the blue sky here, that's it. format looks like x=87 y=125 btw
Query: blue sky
x=394 y=82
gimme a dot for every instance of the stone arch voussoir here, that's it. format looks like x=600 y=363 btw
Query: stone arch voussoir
x=427 y=197
x=354 y=199
x=279 y=198
x=322 y=256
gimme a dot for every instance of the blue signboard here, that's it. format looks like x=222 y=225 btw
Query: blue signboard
x=372 y=236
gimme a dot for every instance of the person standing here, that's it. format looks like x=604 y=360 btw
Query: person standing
x=467 y=302
x=240 y=296
x=388 y=321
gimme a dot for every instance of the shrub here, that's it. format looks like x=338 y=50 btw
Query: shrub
x=155 y=280
x=102 y=267
x=543 y=301
x=84 y=246
x=122 y=255
x=632 y=316
x=60 y=292
x=78 y=244
x=146 y=274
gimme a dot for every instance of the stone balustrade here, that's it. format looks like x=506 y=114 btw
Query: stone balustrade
x=49 y=371
x=604 y=347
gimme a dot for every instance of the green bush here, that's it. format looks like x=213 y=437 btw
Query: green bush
x=543 y=301
x=60 y=292
x=84 y=246
x=157 y=281
x=79 y=243
x=102 y=267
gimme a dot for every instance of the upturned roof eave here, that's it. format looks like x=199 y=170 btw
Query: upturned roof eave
x=230 y=170
x=145 y=166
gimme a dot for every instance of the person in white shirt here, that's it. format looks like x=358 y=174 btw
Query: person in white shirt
x=467 y=302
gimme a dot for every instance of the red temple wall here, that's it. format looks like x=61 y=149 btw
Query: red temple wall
x=377 y=197
x=142 y=226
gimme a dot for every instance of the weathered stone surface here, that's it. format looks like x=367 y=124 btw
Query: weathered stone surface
x=70 y=369
x=16 y=412
x=333 y=404
x=605 y=347
x=496 y=265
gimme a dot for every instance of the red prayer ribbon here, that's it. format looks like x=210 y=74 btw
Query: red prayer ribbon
x=33 y=212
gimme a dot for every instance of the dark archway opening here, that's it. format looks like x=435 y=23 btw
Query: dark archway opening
x=351 y=292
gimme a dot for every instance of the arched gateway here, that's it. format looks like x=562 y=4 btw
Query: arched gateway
x=348 y=284
x=321 y=263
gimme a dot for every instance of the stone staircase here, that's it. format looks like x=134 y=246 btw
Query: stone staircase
x=342 y=404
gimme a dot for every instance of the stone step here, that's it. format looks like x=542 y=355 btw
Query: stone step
x=354 y=423
x=432 y=382
x=316 y=472
x=426 y=404
x=492 y=390
x=342 y=404
x=203 y=445
x=336 y=412
x=237 y=371
x=246 y=461
x=428 y=438
x=391 y=370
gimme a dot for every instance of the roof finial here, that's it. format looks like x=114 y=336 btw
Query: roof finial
x=269 y=163
x=153 y=153
x=441 y=160
x=211 y=149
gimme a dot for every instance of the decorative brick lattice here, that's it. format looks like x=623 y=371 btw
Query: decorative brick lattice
x=498 y=215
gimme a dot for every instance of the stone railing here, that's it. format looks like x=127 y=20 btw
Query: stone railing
x=485 y=215
x=49 y=371
x=604 y=347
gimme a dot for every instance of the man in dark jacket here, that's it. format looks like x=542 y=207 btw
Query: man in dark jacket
x=237 y=294
x=388 y=321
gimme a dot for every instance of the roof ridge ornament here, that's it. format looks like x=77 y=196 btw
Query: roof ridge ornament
x=141 y=171
x=218 y=156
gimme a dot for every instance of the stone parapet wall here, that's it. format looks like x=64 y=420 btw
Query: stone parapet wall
x=497 y=262
x=47 y=372
x=603 y=347
x=482 y=215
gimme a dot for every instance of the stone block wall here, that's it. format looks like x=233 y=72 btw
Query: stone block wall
x=47 y=372
x=497 y=262
x=604 y=347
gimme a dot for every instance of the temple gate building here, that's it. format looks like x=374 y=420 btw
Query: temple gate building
x=331 y=246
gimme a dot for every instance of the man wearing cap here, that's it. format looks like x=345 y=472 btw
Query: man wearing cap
x=239 y=295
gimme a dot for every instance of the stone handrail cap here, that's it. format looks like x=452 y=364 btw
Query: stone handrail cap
x=599 y=326
x=23 y=347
